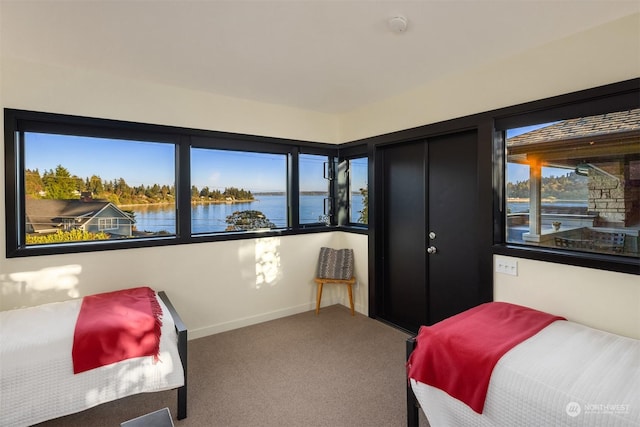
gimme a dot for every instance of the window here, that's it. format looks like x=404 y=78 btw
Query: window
x=81 y=188
x=107 y=224
x=572 y=184
x=316 y=173
x=237 y=191
x=78 y=184
x=358 y=191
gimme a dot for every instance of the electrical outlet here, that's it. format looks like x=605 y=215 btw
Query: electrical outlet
x=507 y=266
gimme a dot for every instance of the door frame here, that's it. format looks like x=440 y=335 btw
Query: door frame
x=483 y=126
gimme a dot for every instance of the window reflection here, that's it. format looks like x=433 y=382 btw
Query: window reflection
x=573 y=184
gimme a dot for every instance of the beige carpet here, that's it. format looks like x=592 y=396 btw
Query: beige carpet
x=302 y=370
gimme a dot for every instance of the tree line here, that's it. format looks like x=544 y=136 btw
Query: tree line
x=567 y=187
x=60 y=184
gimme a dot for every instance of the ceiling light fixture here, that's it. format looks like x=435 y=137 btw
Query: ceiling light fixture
x=398 y=24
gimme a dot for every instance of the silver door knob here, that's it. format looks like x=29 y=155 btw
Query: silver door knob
x=432 y=250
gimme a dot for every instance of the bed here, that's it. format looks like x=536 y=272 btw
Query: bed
x=37 y=371
x=565 y=374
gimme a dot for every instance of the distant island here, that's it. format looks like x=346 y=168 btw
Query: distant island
x=60 y=184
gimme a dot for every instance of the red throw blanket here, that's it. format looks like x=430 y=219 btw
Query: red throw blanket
x=458 y=354
x=115 y=326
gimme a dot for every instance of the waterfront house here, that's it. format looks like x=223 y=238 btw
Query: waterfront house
x=45 y=216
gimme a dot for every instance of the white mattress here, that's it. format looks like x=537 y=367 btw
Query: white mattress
x=36 y=370
x=566 y=375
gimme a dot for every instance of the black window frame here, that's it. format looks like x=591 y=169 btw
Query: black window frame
x=611 y=97
x=332 y=189
x=600 y=100
x=17 y=121
x=207 y=142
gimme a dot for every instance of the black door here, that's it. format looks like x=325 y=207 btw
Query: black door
x=427 y=262
x=402 y=297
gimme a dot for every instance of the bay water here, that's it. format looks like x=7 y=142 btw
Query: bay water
x=211 y=217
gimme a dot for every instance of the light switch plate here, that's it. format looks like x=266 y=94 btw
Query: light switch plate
x=507 y=266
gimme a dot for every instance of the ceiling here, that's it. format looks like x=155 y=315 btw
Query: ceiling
x=328 y=56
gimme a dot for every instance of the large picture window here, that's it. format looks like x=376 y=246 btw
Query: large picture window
x=80 y=188
x=78 y=184
x=237 y=191
x=574 y=184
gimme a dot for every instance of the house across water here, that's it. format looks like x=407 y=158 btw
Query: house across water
x=45 y=216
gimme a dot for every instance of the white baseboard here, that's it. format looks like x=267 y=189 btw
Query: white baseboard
x=247 y=321
x=264 y=317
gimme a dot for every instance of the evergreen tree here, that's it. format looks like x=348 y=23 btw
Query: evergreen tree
x=33 y=183
x=364 y=213
x=570 y=186
x=60 y=184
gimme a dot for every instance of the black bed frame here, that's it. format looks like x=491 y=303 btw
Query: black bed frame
x=181 y=329
x=413 y=406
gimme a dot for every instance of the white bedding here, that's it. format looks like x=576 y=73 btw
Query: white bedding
x=36 y=370
x=566 y=375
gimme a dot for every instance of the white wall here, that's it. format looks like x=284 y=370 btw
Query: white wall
x=214 y=285
x=28 y=85
x=596 y=298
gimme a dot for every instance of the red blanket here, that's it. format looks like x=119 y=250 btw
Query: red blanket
x=115 y=326
x=458 y=354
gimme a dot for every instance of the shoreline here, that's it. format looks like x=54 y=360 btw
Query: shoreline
x=193 y=202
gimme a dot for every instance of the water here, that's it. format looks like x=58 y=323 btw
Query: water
x=211 y=217
x=521 y=207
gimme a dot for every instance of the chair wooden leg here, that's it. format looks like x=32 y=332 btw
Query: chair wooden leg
x=319 y=298
x=349 y=286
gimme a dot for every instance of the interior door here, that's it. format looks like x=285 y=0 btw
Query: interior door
x=427 y=261
x=452 y=245
x=403 y=294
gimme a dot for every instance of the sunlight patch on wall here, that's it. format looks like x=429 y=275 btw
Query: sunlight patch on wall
x=41 y=286
x=267 y=257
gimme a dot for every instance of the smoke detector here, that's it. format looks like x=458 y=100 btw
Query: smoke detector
x=398 y=24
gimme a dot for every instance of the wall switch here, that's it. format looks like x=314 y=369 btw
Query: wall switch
x=507 y=266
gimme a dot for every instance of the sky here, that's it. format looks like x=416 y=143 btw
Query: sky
x=517 y=172
x=148 y=163
x=218 y=169
x=138 y=163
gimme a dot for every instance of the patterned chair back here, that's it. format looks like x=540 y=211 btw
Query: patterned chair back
x=335 y=264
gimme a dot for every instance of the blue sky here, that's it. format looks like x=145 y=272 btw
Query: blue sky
x=138 y=163
x=218 y=169
x=147 y=163
x=516 y=172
